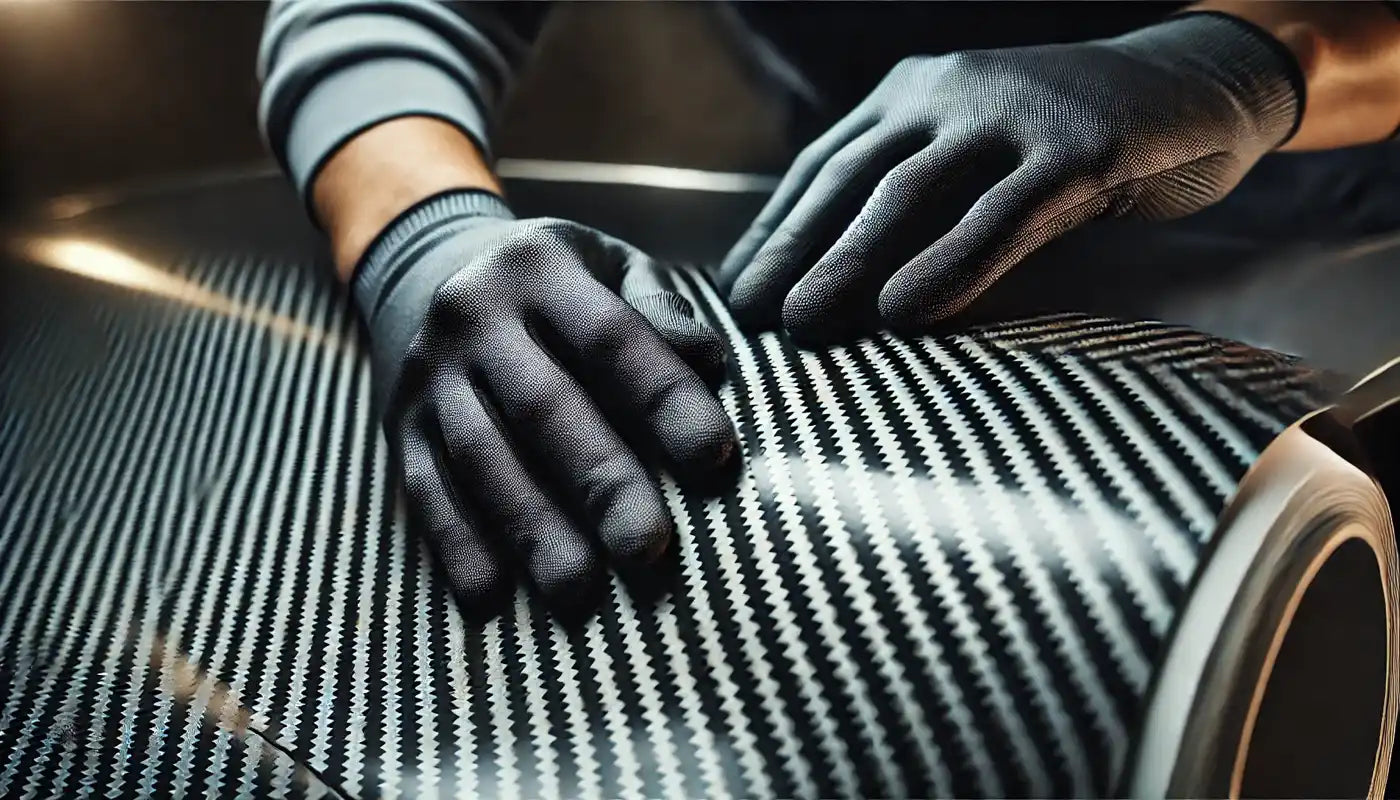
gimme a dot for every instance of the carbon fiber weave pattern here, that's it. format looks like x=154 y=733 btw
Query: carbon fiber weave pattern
x=948 y=567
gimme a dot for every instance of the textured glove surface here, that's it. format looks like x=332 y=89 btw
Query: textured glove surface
x=516 y=383
x=956 y=167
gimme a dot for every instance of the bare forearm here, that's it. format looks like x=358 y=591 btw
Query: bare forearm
x=396 y=96
x=383 y=171
x=1350 y=58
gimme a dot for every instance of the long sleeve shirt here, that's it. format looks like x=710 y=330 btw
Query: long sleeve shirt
x=333 y=68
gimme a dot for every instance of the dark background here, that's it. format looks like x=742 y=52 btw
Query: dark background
x=101 y=92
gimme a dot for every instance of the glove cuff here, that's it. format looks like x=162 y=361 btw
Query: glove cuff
x=1255 y=67
x=392 y=307
x=389 y=255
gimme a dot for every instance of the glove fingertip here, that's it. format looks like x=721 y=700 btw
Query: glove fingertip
x=801 y=313
x=704 y=351
x=567 y=574
x=740 y=256
x=912 y=300
x=816 y=315
x=636 y=527
x=480 y=583
x=752 y=309
x=709 y=449
x=711 y=363
x=699 y=345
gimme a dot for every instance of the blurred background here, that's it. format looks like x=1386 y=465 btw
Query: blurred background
x=101 y=92
x=93 y=93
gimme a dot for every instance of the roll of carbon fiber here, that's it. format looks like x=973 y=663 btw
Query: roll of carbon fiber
x=950 y=565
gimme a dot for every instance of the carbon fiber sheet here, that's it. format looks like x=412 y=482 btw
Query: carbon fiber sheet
x=948 y=568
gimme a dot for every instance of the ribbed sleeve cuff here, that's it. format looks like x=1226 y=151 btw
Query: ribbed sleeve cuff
x=413 y=231
x=359 y=96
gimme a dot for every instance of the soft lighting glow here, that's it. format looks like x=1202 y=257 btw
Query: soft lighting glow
x=528 y=169
x=186 y=681
x=102 y=262
x=699 y=180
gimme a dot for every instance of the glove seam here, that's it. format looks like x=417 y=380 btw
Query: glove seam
x=1055 y=220
x=1108 y=196
x=1114 y=192
x=1117 y=188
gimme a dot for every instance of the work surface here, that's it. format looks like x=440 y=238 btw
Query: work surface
x=947 y=568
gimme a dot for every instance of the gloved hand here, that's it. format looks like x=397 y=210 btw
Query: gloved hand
x=956 y=167
x=510 y=373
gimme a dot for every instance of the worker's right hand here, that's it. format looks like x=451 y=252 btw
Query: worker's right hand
x=513 y=376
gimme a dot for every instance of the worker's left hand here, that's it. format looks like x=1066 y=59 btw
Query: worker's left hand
x=956 y=167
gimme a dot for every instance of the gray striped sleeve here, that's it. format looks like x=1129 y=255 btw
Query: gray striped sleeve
x=332 y=68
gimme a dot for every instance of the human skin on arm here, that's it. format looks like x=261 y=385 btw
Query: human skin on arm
x=957 y=167
x=1349 y=54
x=375 y=176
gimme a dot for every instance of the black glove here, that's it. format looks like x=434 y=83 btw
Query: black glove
x=957 y=167
x=510 y=371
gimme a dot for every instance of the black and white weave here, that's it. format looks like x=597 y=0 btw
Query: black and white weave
x=948 y=567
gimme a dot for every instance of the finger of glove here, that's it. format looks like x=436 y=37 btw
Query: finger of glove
x=567 y=438
x=898 y=220
x=816 y=220
x=614 y=349
x=790 y=189
x=647 y=287
x=1029 y=208
x=472 y=567
x=560 y=559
